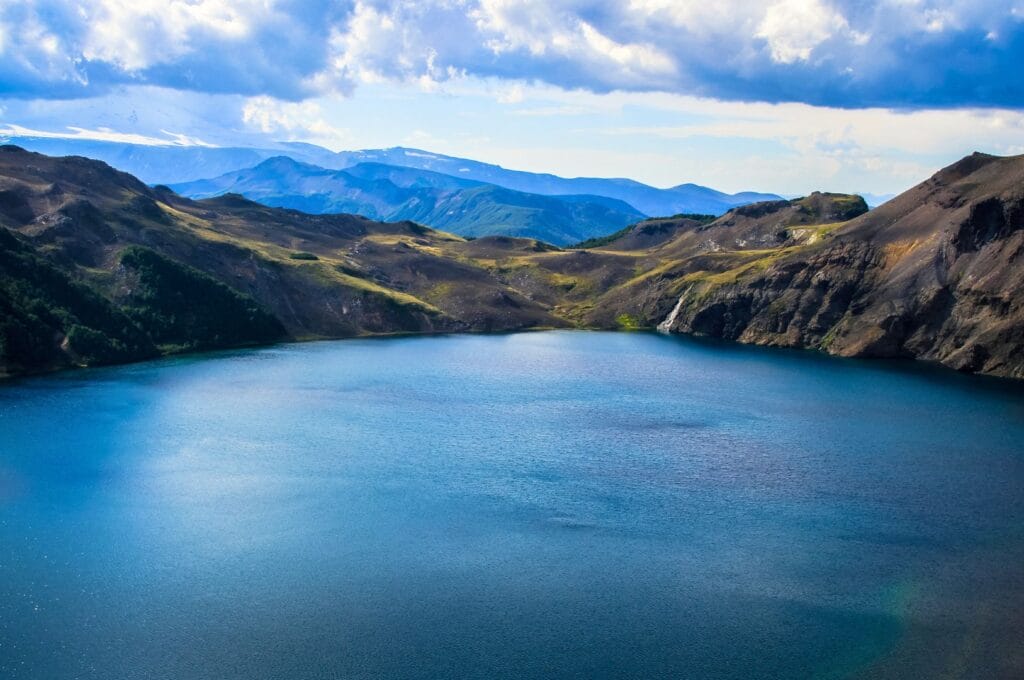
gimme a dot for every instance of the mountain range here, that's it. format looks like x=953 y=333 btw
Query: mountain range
x=392 y=193
x=97 y=267
x=172 y=164
x=684 y=198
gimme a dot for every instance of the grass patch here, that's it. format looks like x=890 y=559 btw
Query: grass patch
x=439 y=291
x=628 y=322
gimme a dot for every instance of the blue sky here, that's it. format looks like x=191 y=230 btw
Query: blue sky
x=784 y=95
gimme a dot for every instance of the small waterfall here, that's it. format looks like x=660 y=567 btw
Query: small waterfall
x=666 y=325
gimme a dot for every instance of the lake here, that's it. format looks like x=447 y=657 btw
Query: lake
x=573 y=504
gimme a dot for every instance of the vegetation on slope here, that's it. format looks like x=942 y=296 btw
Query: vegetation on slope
x=180 y=307
x=47 y=320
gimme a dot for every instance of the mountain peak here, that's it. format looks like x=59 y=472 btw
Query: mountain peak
x=286 y=163
x=966 y=166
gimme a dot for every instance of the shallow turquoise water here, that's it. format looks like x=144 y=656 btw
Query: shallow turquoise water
x=547 y=504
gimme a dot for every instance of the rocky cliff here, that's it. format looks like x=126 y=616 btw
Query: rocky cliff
x=934 y=274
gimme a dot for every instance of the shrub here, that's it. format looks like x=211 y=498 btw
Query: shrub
x=180 y=306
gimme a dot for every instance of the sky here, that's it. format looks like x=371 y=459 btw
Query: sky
x=786 y=96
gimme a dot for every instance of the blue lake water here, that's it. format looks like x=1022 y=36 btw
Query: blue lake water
x=560 y=504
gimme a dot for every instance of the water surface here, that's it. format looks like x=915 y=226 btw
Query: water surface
x=566 y=503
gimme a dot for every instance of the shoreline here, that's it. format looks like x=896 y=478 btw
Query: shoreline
x=926 y=366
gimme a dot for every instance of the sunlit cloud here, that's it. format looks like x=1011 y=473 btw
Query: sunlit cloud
x=837 y=53
x=292 y=121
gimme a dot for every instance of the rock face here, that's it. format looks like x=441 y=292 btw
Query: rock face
x=933 y=274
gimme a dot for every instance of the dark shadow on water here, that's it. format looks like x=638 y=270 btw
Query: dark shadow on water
x=927 y=371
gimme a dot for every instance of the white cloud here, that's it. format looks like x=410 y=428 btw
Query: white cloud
x=358 y=47
x=513 y=94
x=292 y=121
x=376 y=44
x=135 y=34
x=831 y=52
x=543 y=29
x=635 y=59
x=793 y=28
x=518 y=24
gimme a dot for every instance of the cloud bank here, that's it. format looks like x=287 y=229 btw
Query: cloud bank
x=836 y=53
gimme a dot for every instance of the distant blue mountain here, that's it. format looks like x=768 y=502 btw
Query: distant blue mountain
x=391 y=193
x=685 y=198
x=178 y=164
